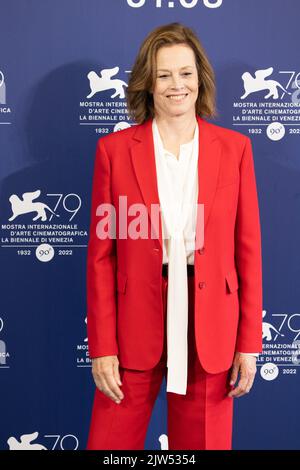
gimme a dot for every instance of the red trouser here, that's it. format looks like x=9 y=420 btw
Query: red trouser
x=201 y=419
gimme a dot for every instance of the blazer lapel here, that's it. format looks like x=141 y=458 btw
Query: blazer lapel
x=208 y=169
x=143 y=161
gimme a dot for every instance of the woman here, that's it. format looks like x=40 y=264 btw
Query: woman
x=180 y=297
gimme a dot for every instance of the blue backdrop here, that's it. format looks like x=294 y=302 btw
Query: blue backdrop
x=48 y=132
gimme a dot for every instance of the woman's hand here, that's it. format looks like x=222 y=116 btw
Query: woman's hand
x=105 y=371
x=245 y=365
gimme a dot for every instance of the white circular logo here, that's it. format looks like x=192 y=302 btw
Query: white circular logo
x=275 y=131
x=44 y=252
x=269 y=371
x=1 y=324
x=121 y=125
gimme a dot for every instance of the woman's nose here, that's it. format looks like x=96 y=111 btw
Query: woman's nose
x=177 y=82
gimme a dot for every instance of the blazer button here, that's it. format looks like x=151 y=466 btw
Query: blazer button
x=201 y=251
x=201 y=284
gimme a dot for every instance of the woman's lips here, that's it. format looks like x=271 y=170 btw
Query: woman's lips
x=178 y=98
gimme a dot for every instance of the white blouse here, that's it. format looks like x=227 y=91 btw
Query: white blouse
x=177 y=181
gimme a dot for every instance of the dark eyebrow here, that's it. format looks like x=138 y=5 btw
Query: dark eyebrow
x=166 y=70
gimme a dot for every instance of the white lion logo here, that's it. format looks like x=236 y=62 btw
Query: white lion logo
x=25 y=206
x=25 y=443
x=104 y=82
x=267 y=327
x=251 y=84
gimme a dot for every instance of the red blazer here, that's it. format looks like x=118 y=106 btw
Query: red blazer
x=124 y=278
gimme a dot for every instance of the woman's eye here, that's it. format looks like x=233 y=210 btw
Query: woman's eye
x=163 y=76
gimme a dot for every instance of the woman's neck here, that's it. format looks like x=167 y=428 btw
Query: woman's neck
x=176 y=130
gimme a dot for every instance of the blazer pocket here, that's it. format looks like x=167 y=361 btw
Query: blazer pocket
x=121 y=282
x=232 y=280
x=228 y=182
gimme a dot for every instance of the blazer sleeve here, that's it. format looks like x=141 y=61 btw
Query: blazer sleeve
x=101 y=265
x=248 y=257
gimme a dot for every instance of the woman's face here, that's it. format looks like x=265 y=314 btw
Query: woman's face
x=176 y=84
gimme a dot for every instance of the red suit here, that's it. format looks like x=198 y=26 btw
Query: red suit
x=124 y=276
